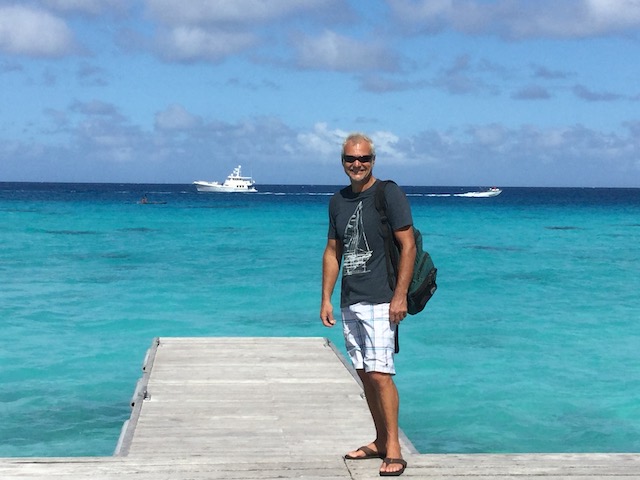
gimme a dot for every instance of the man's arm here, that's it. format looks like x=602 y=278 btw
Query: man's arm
x=330 y=270
x=407 y=245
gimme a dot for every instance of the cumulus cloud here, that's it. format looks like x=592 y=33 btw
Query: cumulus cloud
x=519 y=19
x=387 y=145
x=487 y=154
x=34 y=32
x=613 y=14
x=529 y=155
x=211 y=30
x=332 y=51
x=326 y=143
x=323 y=141
x=188 y=44
x=176 y=117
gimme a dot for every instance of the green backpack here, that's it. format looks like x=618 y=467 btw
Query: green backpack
x=423 y=283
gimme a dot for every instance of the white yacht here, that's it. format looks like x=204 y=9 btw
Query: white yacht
x=235 y=182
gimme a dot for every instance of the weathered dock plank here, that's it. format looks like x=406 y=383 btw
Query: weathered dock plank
x=433 y=467
x=171 y=468
x=274 y=408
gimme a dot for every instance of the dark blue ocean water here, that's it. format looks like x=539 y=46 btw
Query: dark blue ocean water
x=530 y=344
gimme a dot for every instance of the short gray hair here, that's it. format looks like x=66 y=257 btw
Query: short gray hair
x=359 y=138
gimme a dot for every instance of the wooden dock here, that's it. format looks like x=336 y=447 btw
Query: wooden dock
x=273 y=408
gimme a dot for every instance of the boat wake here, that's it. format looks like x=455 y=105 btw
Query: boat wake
x=492 y=192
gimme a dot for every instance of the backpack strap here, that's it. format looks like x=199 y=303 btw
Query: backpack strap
x=389 y=247
x=387 y=232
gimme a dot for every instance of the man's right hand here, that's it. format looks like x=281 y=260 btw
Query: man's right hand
x=326 y=315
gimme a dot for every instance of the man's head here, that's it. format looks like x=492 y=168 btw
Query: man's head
x=358 y=158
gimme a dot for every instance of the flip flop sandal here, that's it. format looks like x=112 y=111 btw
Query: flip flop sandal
x=389 y=461
x=368 y=453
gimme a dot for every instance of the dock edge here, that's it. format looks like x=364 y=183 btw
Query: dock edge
x=140 y=394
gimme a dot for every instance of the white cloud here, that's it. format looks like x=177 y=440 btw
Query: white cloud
x=211 y=30
x=386 y=144
x=176 y=117
x=326 y=143
x=337 y=52
x=33 y=32
x=518 y=19
x=614 y=13
x=322 y=141
x=195 y=44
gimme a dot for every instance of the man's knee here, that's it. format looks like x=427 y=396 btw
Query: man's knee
x=380 y=379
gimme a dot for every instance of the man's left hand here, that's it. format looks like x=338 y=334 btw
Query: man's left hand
x=397 y=309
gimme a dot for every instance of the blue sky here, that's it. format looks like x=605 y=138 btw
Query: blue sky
x=453 y=92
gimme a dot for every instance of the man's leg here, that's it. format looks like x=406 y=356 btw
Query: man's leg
x=388 y=403
x=380 y=443
x=383 y=401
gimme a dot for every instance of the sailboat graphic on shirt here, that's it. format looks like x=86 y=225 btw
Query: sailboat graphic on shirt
x=357 y=251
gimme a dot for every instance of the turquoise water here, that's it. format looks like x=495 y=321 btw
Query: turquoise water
x=530 y=344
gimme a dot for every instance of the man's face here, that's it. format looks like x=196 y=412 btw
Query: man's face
x=358 y=170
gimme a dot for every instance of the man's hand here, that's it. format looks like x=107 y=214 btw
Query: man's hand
x=398 y=308
x=326 y=314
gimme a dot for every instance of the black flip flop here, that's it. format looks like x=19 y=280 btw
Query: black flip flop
x=389 y=461
x=368 y=453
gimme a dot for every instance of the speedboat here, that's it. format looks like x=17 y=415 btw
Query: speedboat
x=491 y=192
x=235 y=182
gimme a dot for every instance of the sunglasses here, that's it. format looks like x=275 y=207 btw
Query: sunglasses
x=361 y=159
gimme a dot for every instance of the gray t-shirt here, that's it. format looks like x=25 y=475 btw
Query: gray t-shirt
x=354 y=221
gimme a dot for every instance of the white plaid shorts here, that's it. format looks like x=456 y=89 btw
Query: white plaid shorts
x=369 y=337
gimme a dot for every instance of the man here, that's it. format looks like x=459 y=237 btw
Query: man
x=370 y=309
